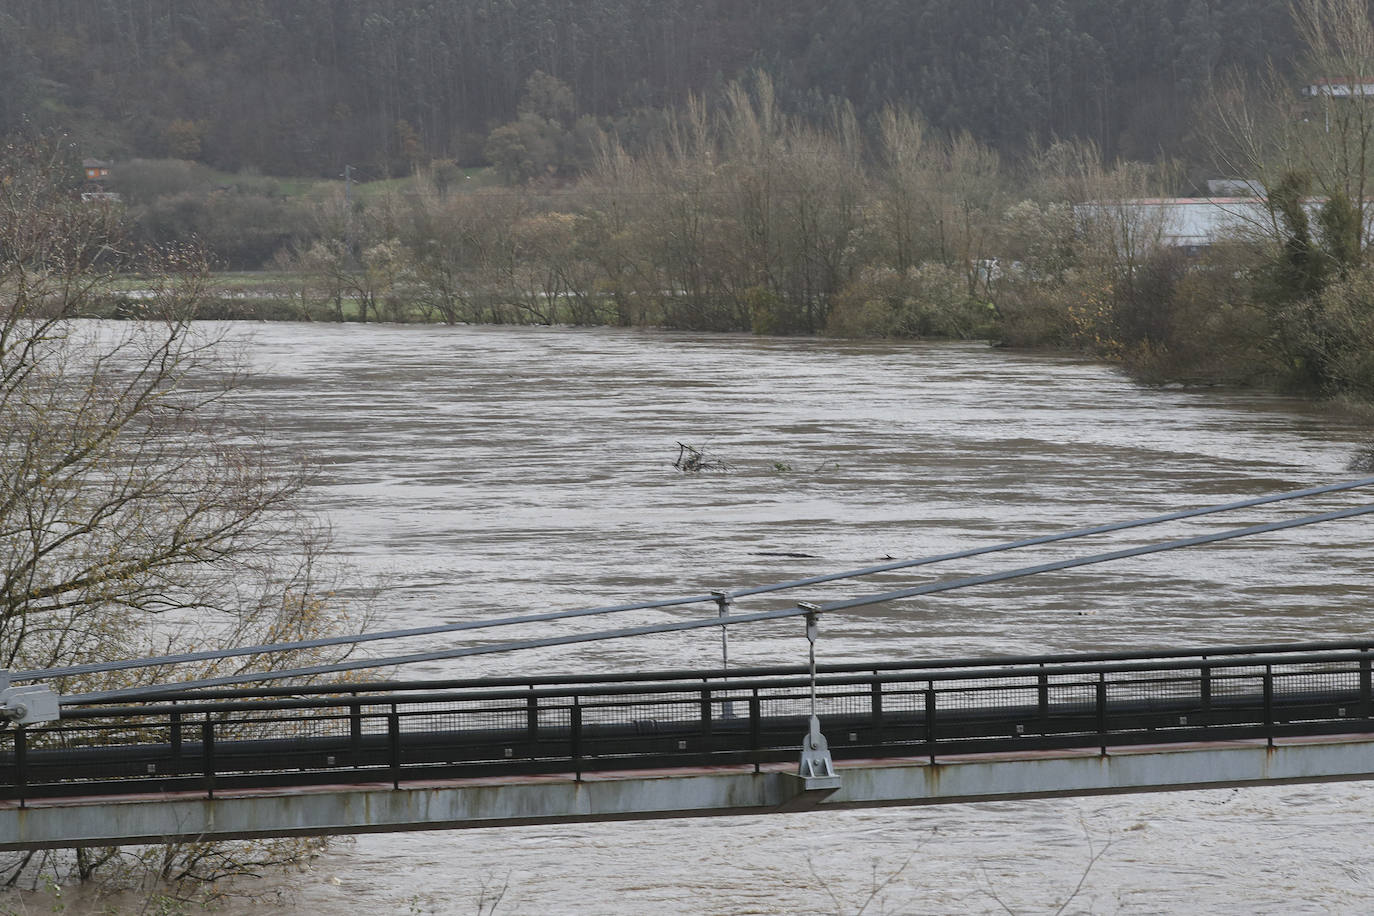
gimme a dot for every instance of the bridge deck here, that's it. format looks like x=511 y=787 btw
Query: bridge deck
x=683 y=743
x=429 y=804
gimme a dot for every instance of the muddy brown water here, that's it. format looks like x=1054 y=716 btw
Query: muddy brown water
x=488 y=471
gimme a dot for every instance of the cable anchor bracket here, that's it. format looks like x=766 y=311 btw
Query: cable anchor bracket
x=28 y=705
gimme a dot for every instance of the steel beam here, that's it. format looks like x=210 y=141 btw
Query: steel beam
x=707 y=792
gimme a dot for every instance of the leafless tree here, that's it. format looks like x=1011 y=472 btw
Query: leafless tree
x=135 y=518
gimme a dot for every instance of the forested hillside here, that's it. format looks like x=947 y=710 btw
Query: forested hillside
x=303 y=86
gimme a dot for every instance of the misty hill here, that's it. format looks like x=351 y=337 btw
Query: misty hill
x=303 y=86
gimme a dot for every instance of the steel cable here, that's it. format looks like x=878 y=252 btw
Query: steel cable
x=730 y=620
x=326 y=642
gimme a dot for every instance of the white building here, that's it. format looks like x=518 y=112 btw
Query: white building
x=1190 y=223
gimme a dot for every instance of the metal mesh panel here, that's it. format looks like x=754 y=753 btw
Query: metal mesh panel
x=123 y=732
x=461 y=714
x=94 y=734
x=373 y=722
x=1155 y=687
x=1011 y=693
x=780 y=703
x=684 y=710
x=1238 y=680
x=462 y=720
x=1072 y=696
x=1317 y=680
x=903 y=698
x=427 y=722
x=555 y=717
x=730 y=705
x=297 y=726
x=842 y=701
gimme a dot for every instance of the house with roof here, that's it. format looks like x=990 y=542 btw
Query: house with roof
x=96 y=169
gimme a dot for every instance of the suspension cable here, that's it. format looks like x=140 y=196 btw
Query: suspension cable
x=1052 y=538
x=482 y=624
x=729 y=620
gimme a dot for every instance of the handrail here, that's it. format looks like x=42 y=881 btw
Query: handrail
x=694 y=682
x=920 y=710
x=765 y=671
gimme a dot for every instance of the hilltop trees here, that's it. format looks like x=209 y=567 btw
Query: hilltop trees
x=304 y=86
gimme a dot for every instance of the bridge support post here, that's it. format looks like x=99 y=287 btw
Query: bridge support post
x=724 y=601
x=817 y=769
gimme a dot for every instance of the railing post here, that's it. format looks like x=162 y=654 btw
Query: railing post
x=355 y=732
x=704 y=706
x=1204 y=688
x=175 y=727
x=876 y=708
x=393 y=745
x=1042 y=692
x=1366 y=706
x=1269 y=704
x=724 y=600
x=207 y=754
x=575 y=728
x=532 y=723
x=21 y=762
x=1102 y=711
x=930 y=720
x=755 y=728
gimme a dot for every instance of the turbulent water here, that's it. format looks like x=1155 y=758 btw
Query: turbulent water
x=485 y=471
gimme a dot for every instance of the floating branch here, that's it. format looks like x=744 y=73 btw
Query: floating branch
x=692 y=460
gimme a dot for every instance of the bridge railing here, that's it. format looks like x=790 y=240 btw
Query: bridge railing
x=388 y=734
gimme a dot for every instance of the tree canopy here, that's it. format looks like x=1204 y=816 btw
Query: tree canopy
x=304 y=86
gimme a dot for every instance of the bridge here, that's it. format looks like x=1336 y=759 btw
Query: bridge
x=243 y=756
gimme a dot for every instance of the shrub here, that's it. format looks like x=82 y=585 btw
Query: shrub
x=1345 y=313
x=1071 y=311
x=931 y=300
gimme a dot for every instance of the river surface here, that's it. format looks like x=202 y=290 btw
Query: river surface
x=488 y=471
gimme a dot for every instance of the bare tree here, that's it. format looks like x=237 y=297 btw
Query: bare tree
x=618 y=188
x=1094 y=855
x=1339 y=40
x=134 y=517
x=908 y=209
x=1322 y=130
x=1311 y=146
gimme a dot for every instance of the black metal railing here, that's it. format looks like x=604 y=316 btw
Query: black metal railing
x=393 y=732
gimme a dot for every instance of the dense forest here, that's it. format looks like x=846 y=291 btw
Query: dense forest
x=301 y=87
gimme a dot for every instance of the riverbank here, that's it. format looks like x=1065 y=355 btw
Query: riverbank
x=1036 y=319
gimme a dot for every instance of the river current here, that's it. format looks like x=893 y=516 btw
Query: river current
x=488 y=471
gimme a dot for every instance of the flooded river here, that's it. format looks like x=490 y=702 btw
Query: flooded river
x=487 y=471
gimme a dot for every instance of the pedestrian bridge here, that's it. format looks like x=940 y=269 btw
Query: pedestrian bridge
x=231 y=756
x=428 y=755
